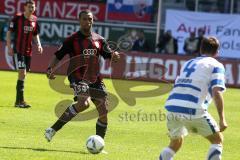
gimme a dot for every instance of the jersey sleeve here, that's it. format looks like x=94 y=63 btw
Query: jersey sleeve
x=65 y=48
x=13 y=24
x=106 y=50
x=218 y=77
x=36 y=30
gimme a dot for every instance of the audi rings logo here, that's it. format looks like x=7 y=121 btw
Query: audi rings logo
x=89 y=52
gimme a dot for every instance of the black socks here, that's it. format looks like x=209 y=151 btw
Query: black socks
x=20 y=91
x=101 y=128
x=69 y=113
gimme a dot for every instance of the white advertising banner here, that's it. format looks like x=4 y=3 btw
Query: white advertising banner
x=225 y=27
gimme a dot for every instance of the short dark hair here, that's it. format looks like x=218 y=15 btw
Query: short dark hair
x=209 y=45
x=84 y=12
x=29 y=2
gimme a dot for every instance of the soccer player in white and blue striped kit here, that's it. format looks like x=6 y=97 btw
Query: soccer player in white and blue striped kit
x=201 y=79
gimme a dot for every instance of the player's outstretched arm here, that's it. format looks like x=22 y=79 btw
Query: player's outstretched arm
x=52 y=64
x=219 y=102
x=38 y=43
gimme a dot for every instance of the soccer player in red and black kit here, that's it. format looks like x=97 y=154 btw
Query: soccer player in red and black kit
x=25 y=27
x=84 y=49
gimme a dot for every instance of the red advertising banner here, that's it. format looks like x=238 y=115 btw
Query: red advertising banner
x=132 y=66
x=64 y=9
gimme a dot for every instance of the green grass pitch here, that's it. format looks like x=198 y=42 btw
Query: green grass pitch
x=128 y=138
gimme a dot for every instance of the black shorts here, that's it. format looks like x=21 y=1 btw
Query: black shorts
x=95 y=91
x=21 y=62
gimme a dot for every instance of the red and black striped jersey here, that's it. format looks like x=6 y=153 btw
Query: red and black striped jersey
x=24 y=29
x=84 y=52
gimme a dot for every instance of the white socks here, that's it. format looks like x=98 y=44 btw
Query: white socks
x=215 y=152
x=167 y=154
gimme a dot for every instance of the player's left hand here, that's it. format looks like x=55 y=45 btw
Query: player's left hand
x=115 y=56
x=40 y=49
x=223 y=125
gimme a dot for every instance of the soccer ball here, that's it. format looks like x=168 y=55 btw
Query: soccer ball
x=95 y=144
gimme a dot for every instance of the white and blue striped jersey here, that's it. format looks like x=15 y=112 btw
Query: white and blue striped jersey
x=192 y=91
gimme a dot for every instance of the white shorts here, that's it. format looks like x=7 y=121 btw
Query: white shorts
x=179 y=125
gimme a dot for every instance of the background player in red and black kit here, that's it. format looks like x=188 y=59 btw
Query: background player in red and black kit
x=25 y=28
x=84 y=49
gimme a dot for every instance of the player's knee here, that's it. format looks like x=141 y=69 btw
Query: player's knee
x=216 y=138
x=86 y=104
x=101 y=106
x=21 y=74
x=82 y=105
x=219 y=138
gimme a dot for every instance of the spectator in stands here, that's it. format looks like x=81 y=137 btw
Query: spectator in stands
x=200 y=37
x=168 y=44
x=191 y=45
x=141 y=43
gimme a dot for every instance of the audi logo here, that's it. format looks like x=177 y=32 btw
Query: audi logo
x=89 y=52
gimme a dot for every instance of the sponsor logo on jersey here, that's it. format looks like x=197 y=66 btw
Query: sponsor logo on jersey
x=89 y=52
x=28 y=29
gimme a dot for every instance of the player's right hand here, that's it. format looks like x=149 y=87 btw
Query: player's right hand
x=223 y=125
x=10 y=51
x=50 y=75
x=115 y=56
x=40 y=49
